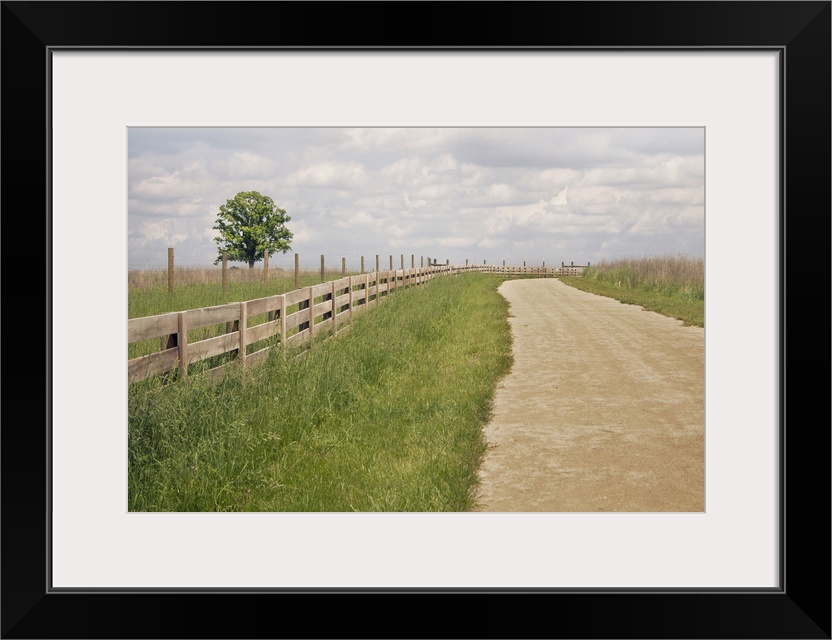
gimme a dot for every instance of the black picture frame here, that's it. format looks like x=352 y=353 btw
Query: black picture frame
x=800 y=608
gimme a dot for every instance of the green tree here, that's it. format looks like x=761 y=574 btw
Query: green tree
x=249 y=225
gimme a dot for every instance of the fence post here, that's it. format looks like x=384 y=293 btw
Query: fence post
x=334 y=309
x=182 y=343
x=391 y=263
x=322 y=269
x=297 y=274
x=311 y=303
x=225 y=273
x=350 y=298
x=303 y=304
x=412 y=261
x=327 y=297
x=265 y=267
x=343 y=266
x=362 y=265
x=376 y=265
x=283 y=320
x=369 y=286
x=243 y=321
x=170 y=269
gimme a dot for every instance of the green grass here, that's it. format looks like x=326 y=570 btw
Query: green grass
x=673 y=286
x=148 y=295
x=153 y=299
x=387 y=417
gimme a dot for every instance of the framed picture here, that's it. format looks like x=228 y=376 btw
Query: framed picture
x=755 y=76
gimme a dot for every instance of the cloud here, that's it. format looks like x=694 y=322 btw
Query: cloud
x=560 y=198
x=413 y=204
x=505 y=193
x=164 y=230
x=249 y=165
x=500 y=193
x=330 y=175
x=184 y=183
x=403 y=140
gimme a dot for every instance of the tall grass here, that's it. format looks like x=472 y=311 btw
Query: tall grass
x=673 y=285
x=385 y=418
x=670 y=275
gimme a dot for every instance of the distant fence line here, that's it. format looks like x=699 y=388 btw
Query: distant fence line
x=328 y=270
x=291 y=318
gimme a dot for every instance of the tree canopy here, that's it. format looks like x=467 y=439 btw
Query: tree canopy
x=250 y=224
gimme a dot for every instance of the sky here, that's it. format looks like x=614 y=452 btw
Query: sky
x=533 y=195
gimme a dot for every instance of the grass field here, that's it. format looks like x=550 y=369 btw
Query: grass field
x=670 y=285
x=387 y=417
x=196 y=288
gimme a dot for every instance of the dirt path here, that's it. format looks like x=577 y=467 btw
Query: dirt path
x=603 y=409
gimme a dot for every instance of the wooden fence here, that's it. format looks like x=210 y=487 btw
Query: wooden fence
x=247 y=330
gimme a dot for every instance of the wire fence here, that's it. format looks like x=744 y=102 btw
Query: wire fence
x=147 y=271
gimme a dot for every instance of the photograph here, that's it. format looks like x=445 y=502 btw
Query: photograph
x=416 y=315
x=492 y=381
x=502 y=376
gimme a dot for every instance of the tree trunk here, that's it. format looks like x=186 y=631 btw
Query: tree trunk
x=251 y=264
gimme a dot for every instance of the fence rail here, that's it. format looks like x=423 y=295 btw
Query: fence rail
x=291 y=318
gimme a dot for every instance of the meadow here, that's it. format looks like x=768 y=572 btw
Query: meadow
x=672 y=285
x=387 y=417
x=194 y=288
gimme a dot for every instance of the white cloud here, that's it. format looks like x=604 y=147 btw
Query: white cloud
x=350 y=175
x=500 y=193
x=359 y=219
x=249 y=165
x=403 y=139
x=160 y=230
x=413 y=204
x=184 y=183
x=509 y=193
x=455 y=241
x=560 y=199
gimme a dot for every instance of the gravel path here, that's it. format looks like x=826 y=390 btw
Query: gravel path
x=603 y=409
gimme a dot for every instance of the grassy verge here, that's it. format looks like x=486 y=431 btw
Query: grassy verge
x=387 y=417
x=673 y=286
